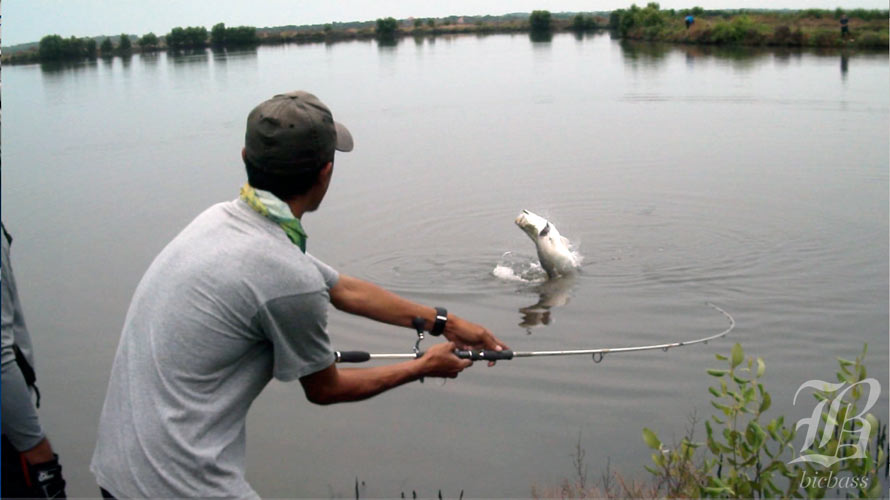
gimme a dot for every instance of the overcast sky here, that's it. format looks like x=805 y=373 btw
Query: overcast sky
x=29 y=20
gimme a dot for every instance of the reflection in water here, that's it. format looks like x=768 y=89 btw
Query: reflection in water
x=150 y=59
x=223 y=53
x=551 y=293
x=58 y=69
x=387 y=44
x=845 y=65
x=192 y=56
x=537 y=37
x=655 y=54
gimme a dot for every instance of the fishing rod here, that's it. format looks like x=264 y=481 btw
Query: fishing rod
x=491 y=355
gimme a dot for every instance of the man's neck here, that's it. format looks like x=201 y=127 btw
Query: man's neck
x=298 y=206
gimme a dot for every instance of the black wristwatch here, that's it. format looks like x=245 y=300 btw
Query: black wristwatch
x=439 y=323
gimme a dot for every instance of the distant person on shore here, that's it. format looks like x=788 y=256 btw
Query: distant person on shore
x=30 y=468
x=690 y=20
x=845 y=28
x=235 y=300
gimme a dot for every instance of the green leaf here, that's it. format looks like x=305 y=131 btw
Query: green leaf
x=874 y=491
x=873 y=422
x=720 y=357
x=761 y=367
x=651 y=439
x=738 y=355
x=725 y=409
x=717 y=373
x=748 y=394
x=714 y=392
x=740 y=380
x=765 y=403
x=658 y=458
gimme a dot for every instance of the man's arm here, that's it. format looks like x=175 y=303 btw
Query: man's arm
x=359 y=297
x=333 y=385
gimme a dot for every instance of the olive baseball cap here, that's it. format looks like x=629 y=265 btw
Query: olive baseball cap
x=291 y=133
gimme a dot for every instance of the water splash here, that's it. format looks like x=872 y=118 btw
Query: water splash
x=519 y=269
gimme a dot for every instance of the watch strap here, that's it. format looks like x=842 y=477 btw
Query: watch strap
x=439 y=323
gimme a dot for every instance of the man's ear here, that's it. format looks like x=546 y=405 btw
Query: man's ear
x=327 y=170
x=244 y=154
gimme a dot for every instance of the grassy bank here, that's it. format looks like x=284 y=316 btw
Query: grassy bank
x=807 y=28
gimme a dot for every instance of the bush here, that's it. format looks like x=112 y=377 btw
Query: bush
x=740 y=29
x=873 y=40
x=387 y=28
x=825 y=37
x=748 y=456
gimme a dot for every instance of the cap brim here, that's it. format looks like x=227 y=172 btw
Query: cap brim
x=344 y=138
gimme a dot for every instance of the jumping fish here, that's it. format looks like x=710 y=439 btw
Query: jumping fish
x=553 y=249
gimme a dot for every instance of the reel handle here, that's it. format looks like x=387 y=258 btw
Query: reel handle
x=484 y=355
x=352 y=356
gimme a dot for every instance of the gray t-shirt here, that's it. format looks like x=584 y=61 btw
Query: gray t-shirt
x=227 y=305
x=19 y=416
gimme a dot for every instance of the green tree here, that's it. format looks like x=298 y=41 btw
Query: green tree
x=196 y=36
x=387 y=28
x=539 y=21
x=431 y=22
x=241 y=35
x=106 y=48
x=91 y=49
x=125 y=45
x=583 y=23
x=187 y=38
x=50 y=48
x=418 y=23
x=149 y=41
x=218 y=34
x=56 y=48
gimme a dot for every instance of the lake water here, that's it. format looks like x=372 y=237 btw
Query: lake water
x=757 y=181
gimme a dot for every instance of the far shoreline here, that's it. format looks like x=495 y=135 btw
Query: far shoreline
x=811 y=28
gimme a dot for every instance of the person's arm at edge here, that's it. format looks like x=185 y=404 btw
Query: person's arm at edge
x=366 y=299
x=334 y=385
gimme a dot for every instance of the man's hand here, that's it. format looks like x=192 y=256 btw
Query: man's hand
x=440 y=361
x=469 y=335
x=334 y=385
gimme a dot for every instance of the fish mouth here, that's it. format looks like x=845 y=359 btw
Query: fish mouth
x=531 y=223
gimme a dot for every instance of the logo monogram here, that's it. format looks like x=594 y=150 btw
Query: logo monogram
x=812 y=422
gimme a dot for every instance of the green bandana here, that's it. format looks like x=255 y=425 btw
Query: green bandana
x=269 y=206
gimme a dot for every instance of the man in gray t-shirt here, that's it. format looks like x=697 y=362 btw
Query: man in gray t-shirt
x=235 y=300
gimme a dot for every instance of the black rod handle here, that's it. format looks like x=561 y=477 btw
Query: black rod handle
x=352 y=356
x=485 y=355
